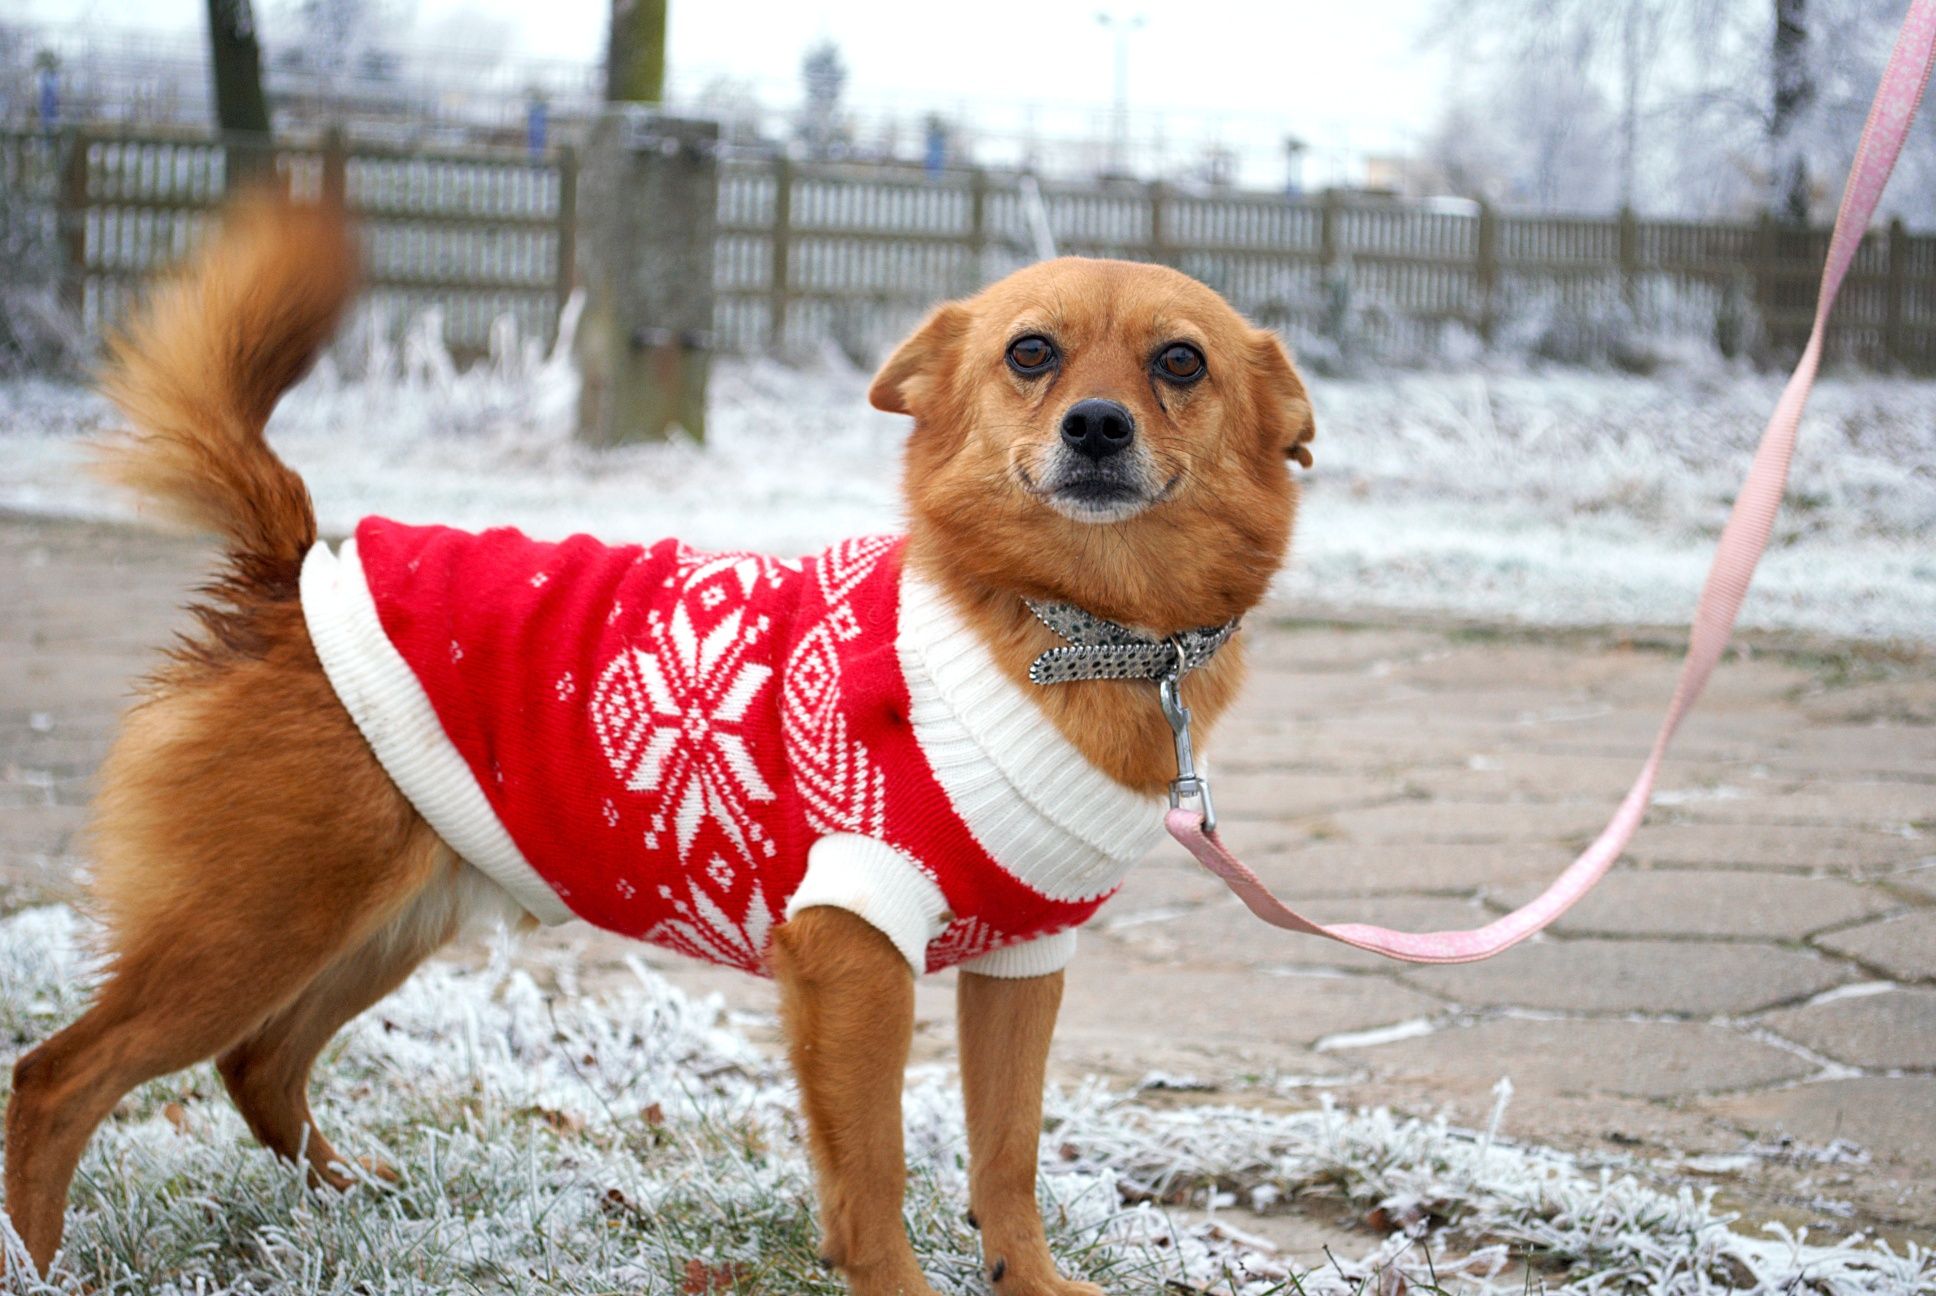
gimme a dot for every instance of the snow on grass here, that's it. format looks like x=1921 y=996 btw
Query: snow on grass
x=1555 y=497
x=1570 y=497
x=558 y=1142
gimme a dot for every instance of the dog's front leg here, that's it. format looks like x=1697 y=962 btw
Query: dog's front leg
x=847 y=1000
x=1005 y=1026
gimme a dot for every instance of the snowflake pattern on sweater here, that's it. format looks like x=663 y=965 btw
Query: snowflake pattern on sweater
x=665 y=733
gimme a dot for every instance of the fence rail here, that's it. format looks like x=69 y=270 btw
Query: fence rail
x=476 y=235
x=853 y=254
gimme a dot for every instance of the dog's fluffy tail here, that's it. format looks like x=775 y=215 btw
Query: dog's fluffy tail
x=204 y=361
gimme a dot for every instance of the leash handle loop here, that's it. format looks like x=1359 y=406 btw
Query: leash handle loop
x=1742 y=543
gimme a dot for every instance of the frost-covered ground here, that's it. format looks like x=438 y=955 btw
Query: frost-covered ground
x=558 y=1142
x=1550 y=498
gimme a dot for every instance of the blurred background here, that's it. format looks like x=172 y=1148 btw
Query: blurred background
x=1388 y=184
x=1541 y=256
x=1546 y=265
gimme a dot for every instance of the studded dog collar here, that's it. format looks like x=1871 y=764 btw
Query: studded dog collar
x=1102 y=649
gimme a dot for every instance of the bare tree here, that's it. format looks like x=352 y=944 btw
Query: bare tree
x=635 y=53
x=1517 y=55
x=235 y=57
x=823 y=79
x=1794 y=95
x=1694 y=107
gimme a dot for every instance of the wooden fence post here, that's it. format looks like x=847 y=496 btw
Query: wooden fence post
x=977 y=230
x=1328 y=249
x=335 y=167
x=249 y=157
x=1159 y=244
x=650 y=197
x=566 y=272
x=779 y=289
x=70 y=222
x=1630 y=260
x=1485 y=271
x=1764 y=271
x=1894 y=344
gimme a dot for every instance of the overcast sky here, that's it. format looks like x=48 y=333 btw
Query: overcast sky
x=1344 y=73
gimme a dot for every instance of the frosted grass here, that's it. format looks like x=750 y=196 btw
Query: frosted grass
x=550 y=1140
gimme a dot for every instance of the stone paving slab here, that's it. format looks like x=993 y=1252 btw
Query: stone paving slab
x=1222 y=932
x=1856 y=851
x=1526 y=775
x=1463 y=821
x=1903 y=947
x=1161 y=888
x=1592 y=975
x=1272 y=795
x=1249 y=1010
x=1871 y=1111
x=1347 y=649
x=1313 y=698
x=1893 y=1027
x=1388 y=769
x=1641 y=1059
x=1859 y=751
x=1918 y=879
x=1887 y=806
x=1706 y=735
x=1899 y=701
x=43 y=828
x=1338 y=746
x=1632 y=901
x=1503 y=668
x=1325 y=869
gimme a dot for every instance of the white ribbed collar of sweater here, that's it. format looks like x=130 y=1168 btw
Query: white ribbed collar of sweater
x=1030 y=797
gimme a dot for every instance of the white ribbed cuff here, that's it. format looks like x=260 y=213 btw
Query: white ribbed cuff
x=878 y=884
x=1039 y=957
x=381 y=693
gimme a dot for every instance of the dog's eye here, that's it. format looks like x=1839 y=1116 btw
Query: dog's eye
x=1031 y=355
x=1180 y=362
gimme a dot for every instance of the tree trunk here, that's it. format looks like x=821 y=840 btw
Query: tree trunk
x=635 y=58
x=1630 y=73
x=1794 y=94
x=240 y=108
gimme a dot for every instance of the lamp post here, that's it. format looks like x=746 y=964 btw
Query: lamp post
x=1293 y=166
x=1123 y=25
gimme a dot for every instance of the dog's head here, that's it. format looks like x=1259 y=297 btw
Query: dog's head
x=1105 y=432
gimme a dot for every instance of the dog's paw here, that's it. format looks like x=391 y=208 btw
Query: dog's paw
x=1056 y=1287
x=890 y=1281
x=378 y=1168
x=1011 y=1282
x=1049 y=1287
x=336 y=1174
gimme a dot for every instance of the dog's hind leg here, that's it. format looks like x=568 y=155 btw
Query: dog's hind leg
x=267 y=1074
x=245 y=840
x=171 y=1001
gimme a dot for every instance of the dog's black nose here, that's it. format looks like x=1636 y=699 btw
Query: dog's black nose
x=1097 y=428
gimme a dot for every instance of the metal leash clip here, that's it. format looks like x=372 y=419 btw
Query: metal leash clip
x=1188 y=783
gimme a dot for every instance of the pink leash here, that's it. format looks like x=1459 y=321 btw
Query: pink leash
x=1742 y=543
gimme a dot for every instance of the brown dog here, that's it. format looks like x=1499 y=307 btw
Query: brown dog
x=262 y=880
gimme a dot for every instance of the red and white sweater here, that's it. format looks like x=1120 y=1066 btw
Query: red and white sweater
x=688 y=747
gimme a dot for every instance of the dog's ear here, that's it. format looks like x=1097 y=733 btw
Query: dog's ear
x=1280 y=394
x=918 y=363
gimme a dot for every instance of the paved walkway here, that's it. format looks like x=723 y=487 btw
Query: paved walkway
x=1748 y=1002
